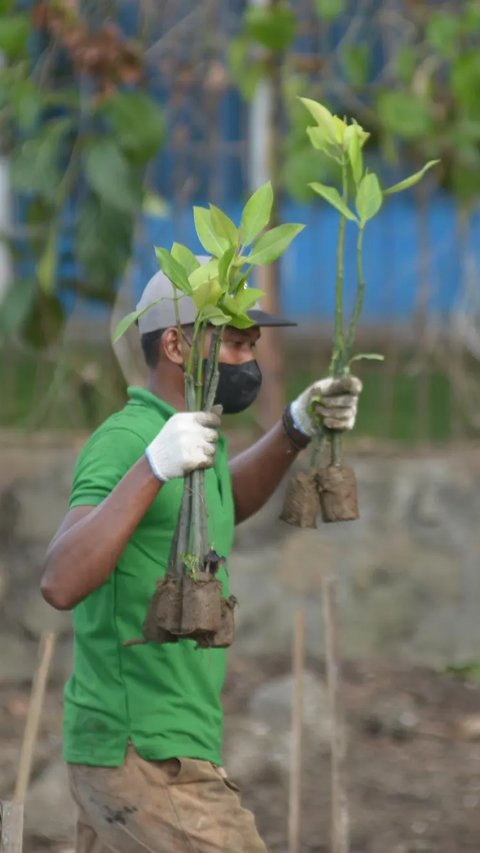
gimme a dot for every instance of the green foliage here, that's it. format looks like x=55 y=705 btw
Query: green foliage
x=334 y=198
x=58 y=142
x=369 y=198
x=405 y=114
x=412 y=180
x=274 y=243
x=355 y=61
x=273 y=28
x=328 y=10
x=256 y=213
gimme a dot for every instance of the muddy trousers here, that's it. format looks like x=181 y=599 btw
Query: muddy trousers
x=176 y=806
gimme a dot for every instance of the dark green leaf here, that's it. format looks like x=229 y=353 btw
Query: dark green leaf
x=111 y=176
x=405 y=114
x=45 y=320
x=211 y=240
x=103 y=244
x=14 y=33
x=355 y=59
x=443 y=33
x=273 y=243
x=256 y=213
x=334 y=198
x=16 y=304
x=47 y=265
x=246 y=71
x=136 y=122
x=37 y=164
x=273 y=28
x=173 y=270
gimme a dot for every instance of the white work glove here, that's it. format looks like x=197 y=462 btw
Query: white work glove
x=187 y=441
x=337 y=405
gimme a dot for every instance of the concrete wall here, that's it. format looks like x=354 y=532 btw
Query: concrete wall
x=408 y=575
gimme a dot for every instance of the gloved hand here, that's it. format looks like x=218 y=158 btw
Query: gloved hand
x=337 y=404
x=187 y=441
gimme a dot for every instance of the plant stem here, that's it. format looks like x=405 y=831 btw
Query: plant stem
x=336 y=363
x=357 y=310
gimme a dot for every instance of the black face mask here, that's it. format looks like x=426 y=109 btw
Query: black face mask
x=238 y=386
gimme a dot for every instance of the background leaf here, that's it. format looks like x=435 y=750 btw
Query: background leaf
x=136 y=122
x=111 y=176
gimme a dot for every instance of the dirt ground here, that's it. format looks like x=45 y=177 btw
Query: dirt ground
x=413 y=775
x=413 y=760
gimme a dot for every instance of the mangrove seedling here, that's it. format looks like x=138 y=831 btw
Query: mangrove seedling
x=359 y=200
x=188 y=601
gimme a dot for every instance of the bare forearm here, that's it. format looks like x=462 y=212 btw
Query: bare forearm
x=83 y=555
x=257 y=472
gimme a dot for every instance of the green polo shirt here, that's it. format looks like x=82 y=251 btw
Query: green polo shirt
x=165 y=699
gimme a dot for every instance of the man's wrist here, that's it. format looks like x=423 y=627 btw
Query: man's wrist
x=295 y=435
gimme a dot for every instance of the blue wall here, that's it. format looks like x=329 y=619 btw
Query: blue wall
x=392 y=266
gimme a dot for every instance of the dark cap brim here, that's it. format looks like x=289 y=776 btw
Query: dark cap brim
x=263 y=318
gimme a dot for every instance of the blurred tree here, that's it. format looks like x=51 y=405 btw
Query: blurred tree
x=78 y=131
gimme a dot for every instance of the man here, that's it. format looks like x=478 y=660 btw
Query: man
x=143 y=723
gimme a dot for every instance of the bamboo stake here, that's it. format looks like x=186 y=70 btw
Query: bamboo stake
x=47 y=645
x=11 y=827
x=298 y=661
x=339 y=809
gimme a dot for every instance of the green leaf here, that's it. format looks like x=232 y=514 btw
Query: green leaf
x=14 y=33
x=355 y=156
x=405 y=114
x=368 y=356
x=223 y=225
x=214 y=315
x=224 y=265
x=443 y=32
x=324 y=119
x=328 y=10
x=136 y=122
x=334 y=198
x=185 y=257
x=247 y=297
x=47 y=265
x=355 y=59
x=246 y=71
x=241 y=321
x=273 y=28
x=174 y=271
x=111 y=176
x=16 y=305
x=211 y=240
x=256 y=213
x=207 y=293
x=154 y=205
x=412 y=180
x=369 y=197
x=37 y=163
x=204 y=273
x=103 y=245
x=26 y=102
x=126 y=322
x=271 y=245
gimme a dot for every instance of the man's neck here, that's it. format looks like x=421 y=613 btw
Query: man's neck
x=166 y=391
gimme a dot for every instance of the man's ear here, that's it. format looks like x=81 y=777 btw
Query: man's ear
x=173 y=345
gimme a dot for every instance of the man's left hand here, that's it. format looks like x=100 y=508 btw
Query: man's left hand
x=335 y=401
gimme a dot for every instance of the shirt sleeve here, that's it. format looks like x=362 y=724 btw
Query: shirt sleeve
x=103 y=461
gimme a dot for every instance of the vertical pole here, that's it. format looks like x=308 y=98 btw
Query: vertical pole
x=298 y=661
x=264 y=165
x=11 y=827
x=47 y=645
x=340 y=821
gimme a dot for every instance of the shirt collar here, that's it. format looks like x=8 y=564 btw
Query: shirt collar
x=144 y=397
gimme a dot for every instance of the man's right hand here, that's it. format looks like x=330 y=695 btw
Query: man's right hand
x=187 y=441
